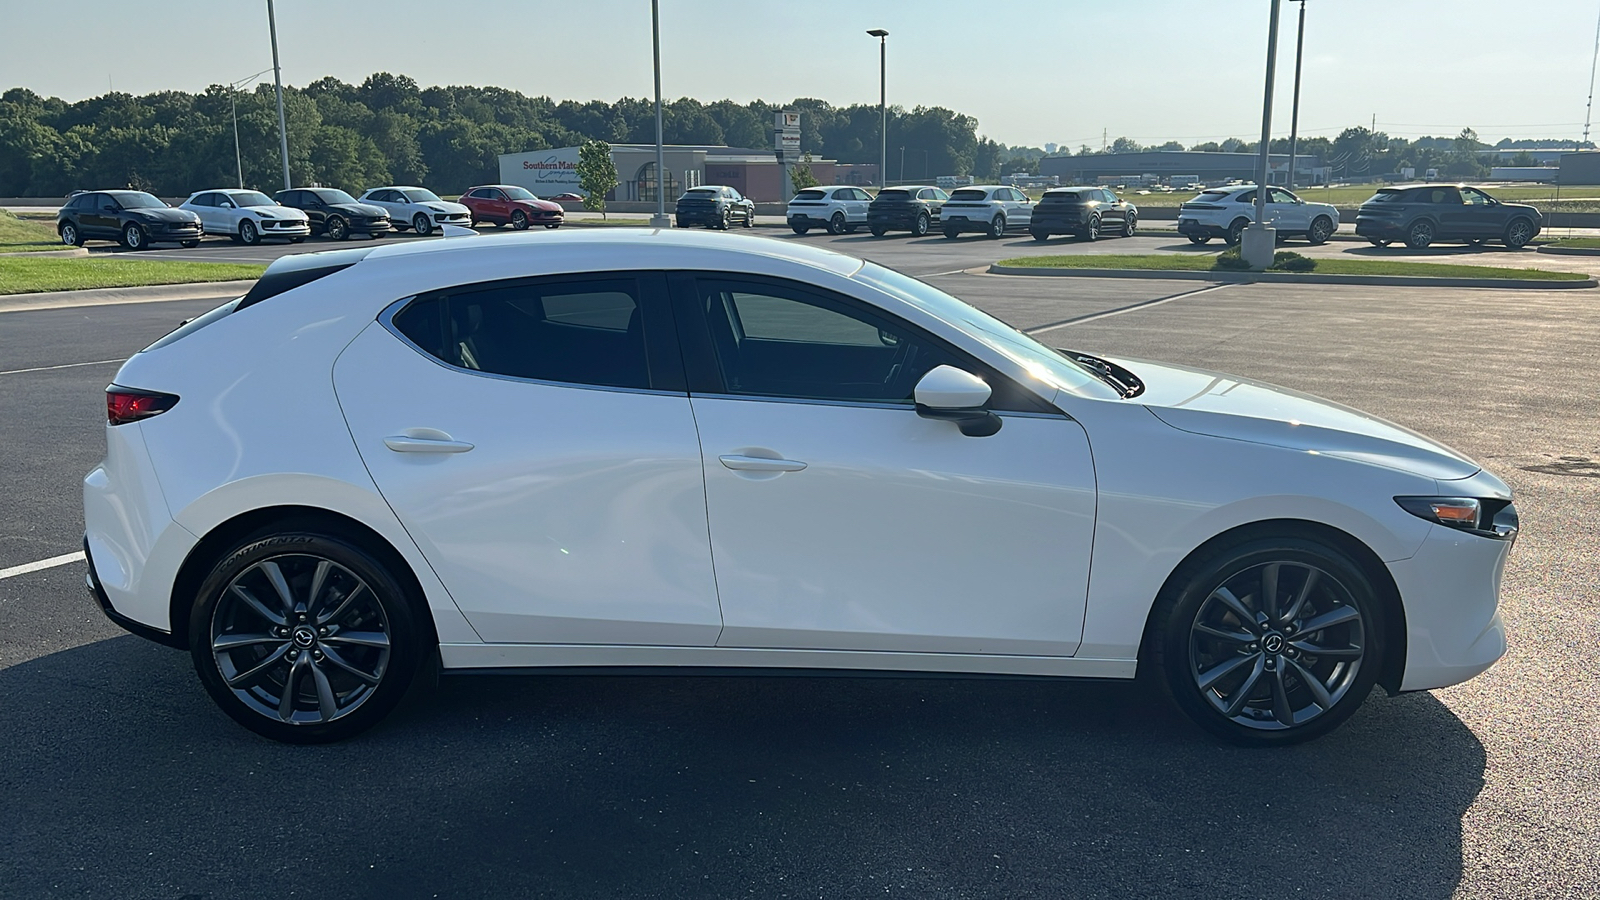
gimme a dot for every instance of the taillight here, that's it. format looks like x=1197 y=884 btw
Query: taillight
x=124 y=405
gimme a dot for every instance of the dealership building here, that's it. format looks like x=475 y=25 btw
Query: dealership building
x=753 y=173
x=1208 y=167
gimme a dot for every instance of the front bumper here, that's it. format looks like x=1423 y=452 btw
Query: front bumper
x=373 y=228
x=1450 y=589
x=167 y=231
x=286 y=228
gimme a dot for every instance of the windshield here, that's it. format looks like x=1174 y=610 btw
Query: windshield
x=251 y=198
x=333 y=195
x=137 y=200
x=516 y=193
x=421 y=195
x=1040 y=361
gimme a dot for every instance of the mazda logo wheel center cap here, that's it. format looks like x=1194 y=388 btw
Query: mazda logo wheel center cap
x=1272 y=643
x=304 y=637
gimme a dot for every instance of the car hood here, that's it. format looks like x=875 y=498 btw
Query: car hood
x=359 y=209
x=1227 y=406
x=277 y=212
x=163 y=214
x=544 y=205
x=446 y=206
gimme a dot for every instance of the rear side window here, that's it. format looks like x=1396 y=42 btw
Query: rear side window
x=587 y=331
x=1387 y=197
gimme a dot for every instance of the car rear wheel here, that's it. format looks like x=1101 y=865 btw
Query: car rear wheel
x=1420 y=234
x=1270 y=641
x=920 y=228
x=338 y=228
x=1091 y=232
x=188 y=245
x=133 y=237
x=877 y=231
x=997 y=226
x=951 y=232
x=1321 y=230
x=422 y=224
x=1236 y=232
x=1130 y=224
x=836 y=224
x=1199 y=238
x=305 y=637
x=800 y=229
x=1518 y=233
x=70 y=235
x=248 y=235
x=519 y=220
x=727 y=219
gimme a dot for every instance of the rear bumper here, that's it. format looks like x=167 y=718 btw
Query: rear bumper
x=964 y=222
x=1056 y=224
x=92 y=584
x=1197 y=228
x=1367 y=226
x=813 y=217
x=698 y=216
x=898 y=219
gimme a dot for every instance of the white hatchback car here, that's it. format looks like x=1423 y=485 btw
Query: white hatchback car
x=621 y=449
x=990 y=208
x=247 y=216
x=417 y=208
x=840 y=209
x=1224 y=212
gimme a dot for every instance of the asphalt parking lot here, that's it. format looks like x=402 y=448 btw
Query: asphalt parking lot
x=120 y=778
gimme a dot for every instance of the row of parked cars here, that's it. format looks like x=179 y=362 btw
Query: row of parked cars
x=1087 y=212
x=137 y=219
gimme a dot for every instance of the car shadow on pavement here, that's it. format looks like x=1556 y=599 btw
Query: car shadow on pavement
x=1448 y=250
x=122 y=779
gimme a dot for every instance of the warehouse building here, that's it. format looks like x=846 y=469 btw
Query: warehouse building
x=1206 y=166
x=753 y=173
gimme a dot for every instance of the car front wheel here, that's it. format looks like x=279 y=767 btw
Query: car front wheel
x=305 y=637
x=1518 y=234
x=1321 y=230
x=1130 y=225
x=1269 y=641
x=519 y=220
x=248 y=234
x=133 y=237
x=338 y=229
x=422 y=224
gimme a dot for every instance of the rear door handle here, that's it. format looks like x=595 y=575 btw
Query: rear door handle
x=404 y=443
x=761 y=464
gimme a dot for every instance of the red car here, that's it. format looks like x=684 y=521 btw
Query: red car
x=507 y=204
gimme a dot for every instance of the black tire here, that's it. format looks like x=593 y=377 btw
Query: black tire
x=1040 y=236
x=1235 y=232
x=920 y=227
x=1321 y=229
x=70 y=235
x=1130 y=224
x=1420 y=234
x=1378 y=242
x=877 y=231
x=1199 y=238
x=134 y=238
x=188 y=245
x=800 y=229
x=951 y=233
x=380 y=632
x=1091 y=232
x=1517 y=234
x=836 y=224
x=851 y=229
x=519 y=220
x=726 y=221
x=248 y=235
x=552 y=226
x=997 y=227
x=750 y=217
x=1196 y=636
x=422 y=224
x=337 y=229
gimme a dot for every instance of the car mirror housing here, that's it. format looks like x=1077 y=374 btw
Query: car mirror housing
x=950 y=394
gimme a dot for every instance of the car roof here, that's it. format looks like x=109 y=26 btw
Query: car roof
x=983 y=187
x=1425 y=184
x=396 y=187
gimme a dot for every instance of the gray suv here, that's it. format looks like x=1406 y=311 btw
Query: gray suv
x=1420 y=214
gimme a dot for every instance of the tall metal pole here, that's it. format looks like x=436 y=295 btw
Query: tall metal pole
x=238 y=156
x=1294 y=121
x=660 y=220
x=1589 y=107
x=883 y=105
x=277 y=80
x=1266 y=117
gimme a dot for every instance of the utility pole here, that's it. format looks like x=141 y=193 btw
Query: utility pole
x=883 y=105
x=277 y=80
x=1589 y=106
x=660 y=219
x=1258 y=240
x=1294 y=119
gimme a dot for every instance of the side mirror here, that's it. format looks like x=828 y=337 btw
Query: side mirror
x=952 y=395
x=227 y=204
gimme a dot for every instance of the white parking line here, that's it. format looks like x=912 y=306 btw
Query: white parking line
x=98 y=362
x=1124 y=309
x=50 y=563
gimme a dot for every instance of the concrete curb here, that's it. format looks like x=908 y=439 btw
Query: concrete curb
x=159 y=293
x=67 y=251
x=1298 y=278
x=1569 y=251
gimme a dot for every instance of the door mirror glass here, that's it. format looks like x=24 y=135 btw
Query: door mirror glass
x=226 y=204
x=950 y=394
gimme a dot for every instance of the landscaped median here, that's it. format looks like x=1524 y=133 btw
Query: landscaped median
x=1291 y=268
x=26 y=235
x=28 y=275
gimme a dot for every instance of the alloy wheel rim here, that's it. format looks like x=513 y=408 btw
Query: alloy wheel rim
x=300 y=639
x=336 y=228
x=69 y=235
x=1277 y=645
x=1519 y=233
x=134 y=238
x=1423 y=232
x=249 y=233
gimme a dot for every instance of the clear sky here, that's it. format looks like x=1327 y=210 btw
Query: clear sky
x=1031 y=71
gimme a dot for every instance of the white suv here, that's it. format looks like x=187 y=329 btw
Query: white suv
x=1224 y=212
x=989 y=208
x=419 y=208
x=247 y=216
x=839 y=208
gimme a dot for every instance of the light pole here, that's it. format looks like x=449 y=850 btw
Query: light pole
x=1294 y=118
x=233 y=105
x=277 y=80
x=659 y=220
x=1257 y=243
x=883 y=106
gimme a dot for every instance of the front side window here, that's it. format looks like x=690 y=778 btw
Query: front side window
x=1279 y=195
x=1475 y=197
x=583 y=331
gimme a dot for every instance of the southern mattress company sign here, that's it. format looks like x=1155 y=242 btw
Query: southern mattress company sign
x=544 y=172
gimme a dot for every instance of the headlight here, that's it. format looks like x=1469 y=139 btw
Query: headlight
x=1485 y=518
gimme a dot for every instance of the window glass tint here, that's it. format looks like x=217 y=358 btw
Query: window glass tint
x=1279 y=195
x=895 y=194
x=1387 y=197
x=480 y=194
x=775 y=341
x=1211 y=197
x=969 y=194
x=939 y=194
x=579 y=332
x=251 y=198
x=1246 y=197
x=204 y=200
x=1475 y=197
x=331 y=195
x=815 y=195
x=1443 y=195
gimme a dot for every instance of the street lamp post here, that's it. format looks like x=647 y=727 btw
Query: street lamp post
x=659 y=220
x=1294 y=118
x=883 y=106
x=233 y=105
x=277 y=79
x=1259 y=239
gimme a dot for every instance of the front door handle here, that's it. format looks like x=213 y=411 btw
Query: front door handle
x=761 y=464
x=405 y=443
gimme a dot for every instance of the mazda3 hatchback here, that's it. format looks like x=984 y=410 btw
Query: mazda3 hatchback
x=673 y=450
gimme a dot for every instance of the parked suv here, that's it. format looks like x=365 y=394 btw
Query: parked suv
x=336 y=214
x=1423 y=213
x=134 y=219
x=714 y=206
x=989 y=208
x=914 y=208
x=1087 y=212
x=247 y=216
x=507 y=204
x=1225 y=212
x=840 y=209
x=419 y=208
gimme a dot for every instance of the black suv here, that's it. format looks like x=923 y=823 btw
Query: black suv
x=134 y=219
x=714 y=206
x=914 y=208
x=1084 y=211
x=1420 y=214
x=336 y=214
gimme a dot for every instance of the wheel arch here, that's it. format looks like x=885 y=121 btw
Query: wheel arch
x=1391 y=668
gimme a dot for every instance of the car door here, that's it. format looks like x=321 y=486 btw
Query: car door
x=224 y=212
x=307 y=202
x=1287 y=212
x=1021 y=211
x=498 y=205
x=857 y=206
x=1454 y=216
x=841 y=519
x=535 y=438
x=1482 y=217
x=100 y=219
x=1114 y=211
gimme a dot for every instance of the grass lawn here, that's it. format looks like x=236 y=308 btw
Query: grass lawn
x=21 y=275
x=21 y=235
x=1207 y=263
x=1578 y=243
